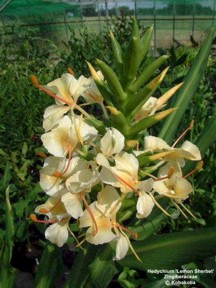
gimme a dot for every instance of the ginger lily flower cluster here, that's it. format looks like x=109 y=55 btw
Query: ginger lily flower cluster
x=89 y=174
x=102 y=166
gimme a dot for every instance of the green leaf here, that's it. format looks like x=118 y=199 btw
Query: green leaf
x=208 y=136
x=79 y=273
x=132 y=55
x=117 y=53
x=147 y=122
x=5 y=180
x=185 y=94
x=146 y=227
x=50 y=267
x=170 y=251
x=145 y=42
x=118 y=120
x=205 y=139
x=7 y=273
x=112 y=80
x=131 y=61
x=135 y=102
x=98 y=124
x=9 y=229
x=147 y=73
x=102 y=269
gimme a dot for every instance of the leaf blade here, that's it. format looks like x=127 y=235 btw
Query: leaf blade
x=169 y=251
x=183 y=97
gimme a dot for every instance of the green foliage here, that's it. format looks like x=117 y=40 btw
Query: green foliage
x=168 y=252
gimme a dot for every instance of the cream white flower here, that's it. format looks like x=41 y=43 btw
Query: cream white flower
x=91 y=93
x=112 y=142
x=122 y=247
x=123 y=175
x=57 y=232
x=187 y=151
x=145 y=203
x=174 y=186
x=152 y=144
x=73 y=204
x=53 y=114
x=52 y=208
x=83 y=179
x=68 y=87
x=103 y=215
x=104 y=212
x=69 y=134
x=55 y=171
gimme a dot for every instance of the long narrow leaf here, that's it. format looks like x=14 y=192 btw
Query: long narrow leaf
x=205 y=140
x=185 y=94
x=103 y=268
x=50 y=267
x=170 y=251
x=148 y=121
x=79 y=273
x=7 y=272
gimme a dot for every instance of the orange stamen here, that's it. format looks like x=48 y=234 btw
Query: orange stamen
x=90 y=212
x=198 y=168
x=125 y=182
x=70 y=71
x=35 y=81
x=184 y=133
x=94 y=97
x=60 y=174
x=48 y=92
x=171 y=172
x=169 y=175
x=34 y=218
x=134 y=234
x=162 y=178
x=43 y=210
x=41 y=154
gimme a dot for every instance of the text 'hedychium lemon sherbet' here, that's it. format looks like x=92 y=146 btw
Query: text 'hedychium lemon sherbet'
x=100 y=155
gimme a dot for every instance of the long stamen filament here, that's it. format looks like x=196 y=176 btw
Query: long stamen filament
x=45 y=211
x=177 y=206
x=118 y=202
x=134 y=234
x=70 y=71
x=34 y=219
x=104 y=110
x=126 y=183
x=189 y=212
x=158 y=205
x=184 y=133
x=90 y=212
x=79 y=244
x=53 y=95
x=194 y=170
x=70 y=153
x=131 y=247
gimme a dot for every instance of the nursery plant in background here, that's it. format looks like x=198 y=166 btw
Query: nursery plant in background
x=110 y=184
